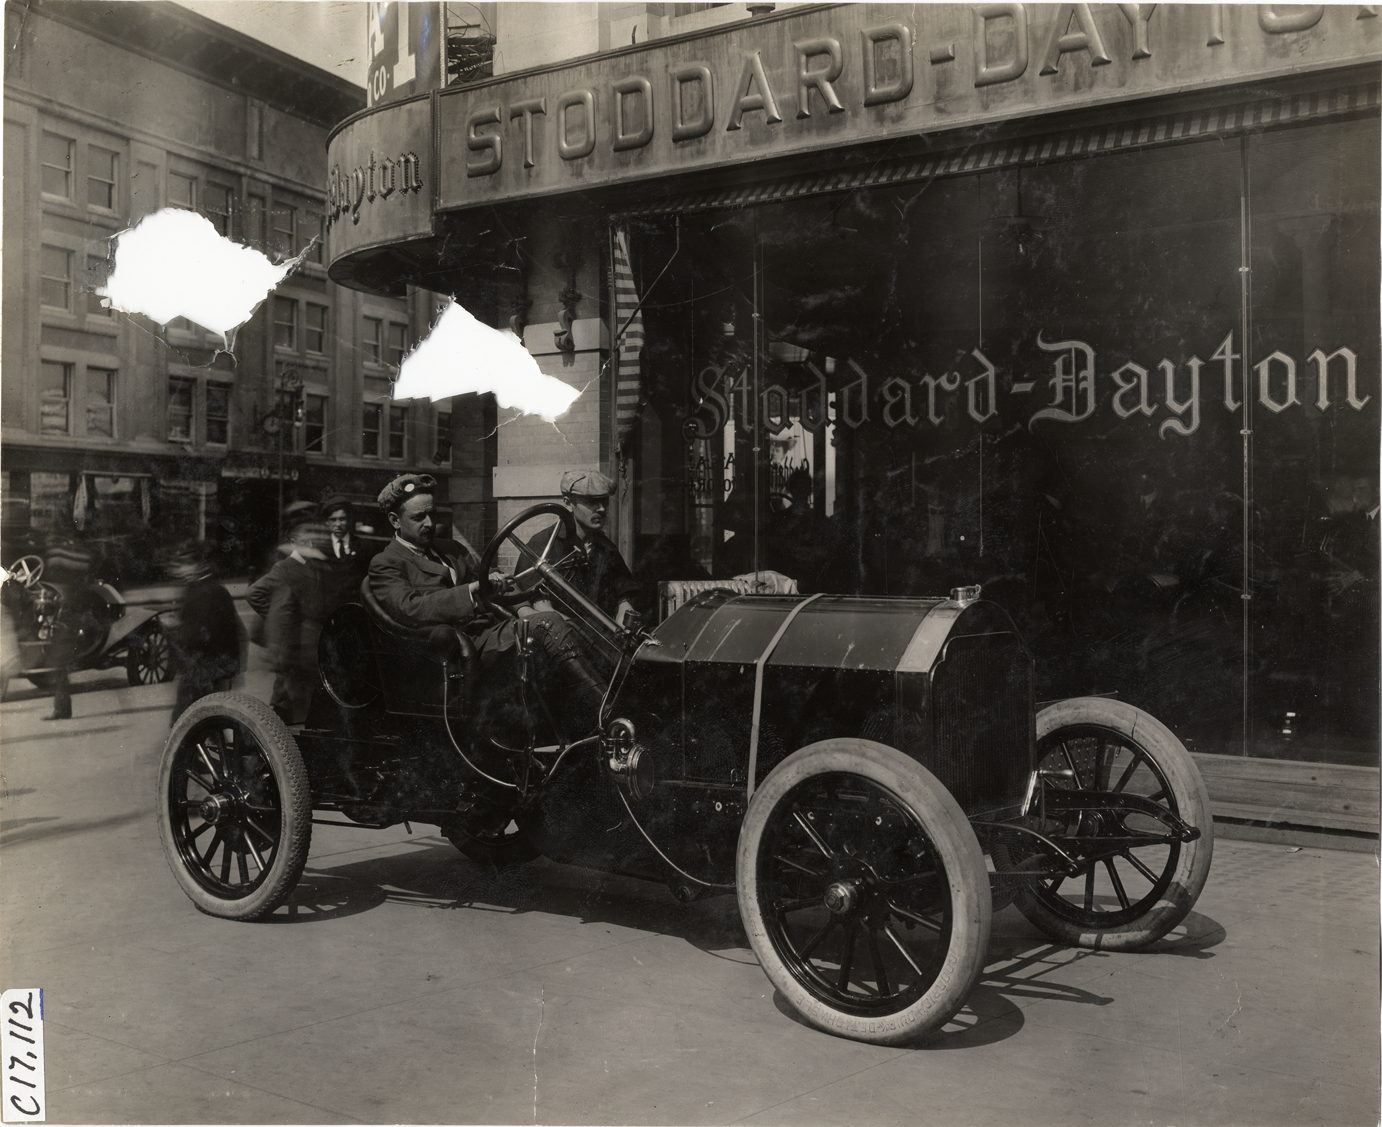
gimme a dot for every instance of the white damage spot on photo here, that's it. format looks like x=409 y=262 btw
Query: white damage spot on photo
x=174 y=264
x=462 y=354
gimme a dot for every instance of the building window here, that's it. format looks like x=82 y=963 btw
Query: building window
x=398 y=429
x=55 y=288
x=443 y=455
x=219 y=205
x=372 y=338
x=218 y=413
x=282 y=235
x=180 y=393
x=102 y=165
x=285 y=322
x=100 y=402
x=369 y=443
x=182 y=191
x=55 y=395
x=316 y=328
x=398 y=343
x=55 y=154
x=96 y=275
x=314 y=424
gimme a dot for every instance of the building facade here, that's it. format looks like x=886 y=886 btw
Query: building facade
x=134 y=435
x=1078 y=302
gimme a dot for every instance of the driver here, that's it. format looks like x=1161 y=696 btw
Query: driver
x=422 y=581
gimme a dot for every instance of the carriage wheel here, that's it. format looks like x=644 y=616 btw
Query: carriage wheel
x=1136 y=895
x=234 y=807
x=863 y=891
x=150 y=660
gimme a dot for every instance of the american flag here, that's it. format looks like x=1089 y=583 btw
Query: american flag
x=628 y=393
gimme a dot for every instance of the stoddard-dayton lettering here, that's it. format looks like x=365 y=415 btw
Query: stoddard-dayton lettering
x=787 y=79
x=1074 y=391
x=377 y=179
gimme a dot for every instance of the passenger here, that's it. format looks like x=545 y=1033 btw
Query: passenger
x=421 y=581
x=593 y=564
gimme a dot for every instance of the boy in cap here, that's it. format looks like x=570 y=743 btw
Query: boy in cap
x=593 y=564
x=422 y=581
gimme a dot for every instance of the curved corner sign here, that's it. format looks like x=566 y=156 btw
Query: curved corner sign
x=380 y=179
x=812 y=80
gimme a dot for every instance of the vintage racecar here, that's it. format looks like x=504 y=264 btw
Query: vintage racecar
x=868 y=776
x=83 y=625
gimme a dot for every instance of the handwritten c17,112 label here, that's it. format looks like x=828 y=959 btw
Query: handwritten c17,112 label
x=21 y=1044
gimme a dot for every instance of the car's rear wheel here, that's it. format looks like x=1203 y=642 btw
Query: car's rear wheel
x=1133 y=895
x=863 y=891
x=234 y=807
x=150 y=660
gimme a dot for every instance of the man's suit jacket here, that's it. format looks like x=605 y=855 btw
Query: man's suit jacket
x=418 y=592
x=346 y=572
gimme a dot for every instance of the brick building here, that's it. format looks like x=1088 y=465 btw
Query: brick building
x=132 y=434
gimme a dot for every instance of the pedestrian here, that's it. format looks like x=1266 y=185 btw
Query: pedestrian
x=293 y=600
x=208 y=640
x=347 y=562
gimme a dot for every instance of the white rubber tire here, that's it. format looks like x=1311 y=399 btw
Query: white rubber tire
x=949 y=834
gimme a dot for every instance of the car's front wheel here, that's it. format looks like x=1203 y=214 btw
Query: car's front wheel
x=234 y=807
x=863 y=891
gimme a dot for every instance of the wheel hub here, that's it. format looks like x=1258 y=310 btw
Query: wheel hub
x=842 y=896
x=215 y=808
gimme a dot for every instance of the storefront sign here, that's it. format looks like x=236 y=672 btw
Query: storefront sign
x=380 y=179
x=825 y=78
x=1076 y=389
x=405 y=50
x=261 y=473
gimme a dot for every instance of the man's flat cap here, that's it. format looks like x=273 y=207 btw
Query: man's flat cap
x=331 y=504
x=392 y=496
x=586 y=483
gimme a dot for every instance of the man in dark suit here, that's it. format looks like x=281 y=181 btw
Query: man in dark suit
x=346 y=560
x=422 y=581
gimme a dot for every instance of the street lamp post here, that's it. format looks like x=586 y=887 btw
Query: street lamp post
x=285 y=413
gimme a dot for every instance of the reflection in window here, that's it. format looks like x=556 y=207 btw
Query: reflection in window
x=369 y=439
x=100 y=402
x=218 y=413
x=285 y=322
x=180 y=392
x=101 y=168
x=55 y=287
x=398 y=427
x=316 y=328
x=314 y=424
x=55 y=396
x=55 y=155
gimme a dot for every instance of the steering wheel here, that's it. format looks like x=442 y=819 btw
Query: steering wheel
x=27 y=570
x=488 y=591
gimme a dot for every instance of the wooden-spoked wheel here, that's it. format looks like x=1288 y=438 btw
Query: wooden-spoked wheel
x=234 y=807
x=150 y=657
x=1140 y=881
x=863 y=891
